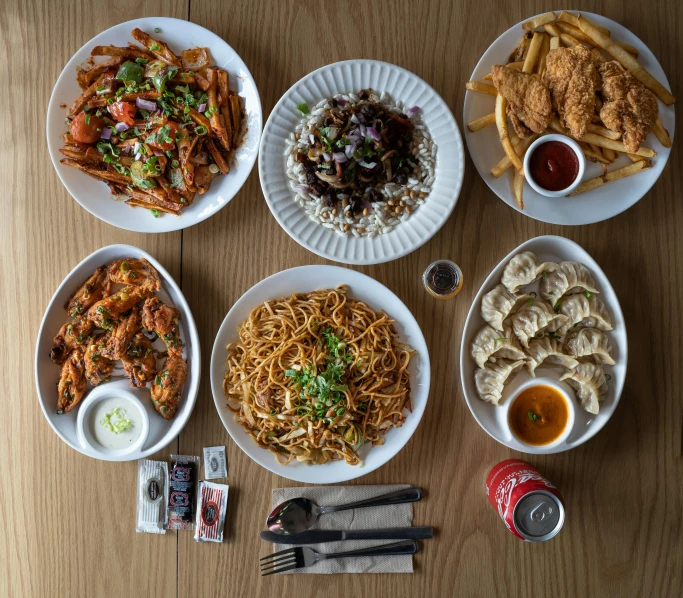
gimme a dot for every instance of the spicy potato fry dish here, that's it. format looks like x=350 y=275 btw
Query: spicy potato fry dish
x=569 y=76
x=153 y=126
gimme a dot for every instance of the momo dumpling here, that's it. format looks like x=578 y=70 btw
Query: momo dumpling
x=491 y=379
x=590 y=343
x=590 y=384
x=491 y=344
x=567 y=278
x=498 y=304
x=523 y=269
x=535 y=318
x=549 y=350
x=589 y=312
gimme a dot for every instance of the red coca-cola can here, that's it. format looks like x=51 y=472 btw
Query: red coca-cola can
x=529 y=504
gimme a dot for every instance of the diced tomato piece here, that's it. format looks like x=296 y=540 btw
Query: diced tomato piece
x=162 y=144
x=123 y=112
x=86 y=128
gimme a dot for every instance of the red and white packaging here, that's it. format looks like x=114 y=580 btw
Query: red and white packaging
x=212 y=505
x=531 y=507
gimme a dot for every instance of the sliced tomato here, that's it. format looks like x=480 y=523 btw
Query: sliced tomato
x=161 y=144
x=86 y=128
x=123 y=112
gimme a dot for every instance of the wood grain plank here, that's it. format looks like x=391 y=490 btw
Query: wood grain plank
x=69 y=521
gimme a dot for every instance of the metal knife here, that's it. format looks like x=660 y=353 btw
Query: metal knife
x=316 y=536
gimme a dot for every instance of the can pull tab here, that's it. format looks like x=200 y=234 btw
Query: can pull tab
x=540 y=512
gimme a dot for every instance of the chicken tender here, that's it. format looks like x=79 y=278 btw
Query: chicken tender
x=71 y=386
x=70 y=336
x=124 y=331
x=131 y=271
x=139 y=361
x=167 y=387
x=629 y=107
x=529 y=106
x=572 y=76
x=98 y=367
x=91 y=291
x=162 y=319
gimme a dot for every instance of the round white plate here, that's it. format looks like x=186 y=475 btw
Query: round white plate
x=352 y=76
x=161 y=432
x=592 y=206
x=494 y=418
x=302 y=280
x=95 y=196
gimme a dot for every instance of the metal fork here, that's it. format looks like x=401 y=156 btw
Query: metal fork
x=303 y=556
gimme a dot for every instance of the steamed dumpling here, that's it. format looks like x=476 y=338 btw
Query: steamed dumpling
x=490 y=344
x=547 y=350
x=498 y=304
x=590 y=343
x=568 y=277
x=536 y=318
x=589 y=312
x=590 y=384
x=523 y=269
x=491 y=379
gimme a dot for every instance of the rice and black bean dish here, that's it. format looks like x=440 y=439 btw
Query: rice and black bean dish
x=360 y=163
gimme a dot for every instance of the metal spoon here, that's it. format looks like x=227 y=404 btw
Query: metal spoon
x=299 y=514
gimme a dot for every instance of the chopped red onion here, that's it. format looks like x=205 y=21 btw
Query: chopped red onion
x=137 y=156
x=158 y=153
x=326 y=156
x=340 y=157
x=341 y=102
x=106 y=133
x=136 y=148
x=312 y=138
x=201 y=107
x=332 y=133
x=146 y=105
x=301 y=188
x=373 y=134
x=365 y=164
x=348 y=150
x=354 y=119
x=361 y=118
x=121 y=127
x=127 y=148
x=413 y=110
x=363 y=131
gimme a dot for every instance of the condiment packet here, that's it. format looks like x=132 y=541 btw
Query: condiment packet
x=152 y=512
x=215 y=463
x=183 y=491
x=212 y=505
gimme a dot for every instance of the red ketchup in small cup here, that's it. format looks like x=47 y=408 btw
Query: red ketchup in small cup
x=554 y=165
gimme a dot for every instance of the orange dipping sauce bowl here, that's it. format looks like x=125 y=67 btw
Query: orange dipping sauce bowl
x=541 y=414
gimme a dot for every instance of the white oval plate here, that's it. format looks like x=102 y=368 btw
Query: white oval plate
x=302 y=280
x=352 y=76
x=95 y=196
x=161 y=432
x=592 y=206
x=494 y=418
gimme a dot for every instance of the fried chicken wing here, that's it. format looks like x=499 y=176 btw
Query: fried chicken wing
x=572 y=76
x=162 y=319
x=629 y=107
x=71 y=386
x=73 y=334
x=122 y=334
x=91 y=291
x=106 y=313
x=139 y=361
x=98 y=367
x=167 y=387
x=131 y=271
x=529 y=106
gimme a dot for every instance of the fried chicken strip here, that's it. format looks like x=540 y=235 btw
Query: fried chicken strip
x=70 y=336
x=139 y=361
x=529 y=106
x=106 y=313
x=131 y=271
x=572 y=76
x=71 y=386
x=162 y=319
x=629 y=108
x=91 y=291
x=98 y=367
x=122 y=335
x=167 y=387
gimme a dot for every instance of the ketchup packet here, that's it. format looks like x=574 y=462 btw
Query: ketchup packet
x=212 y=504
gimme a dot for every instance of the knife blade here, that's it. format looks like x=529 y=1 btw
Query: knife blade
x=317 y=536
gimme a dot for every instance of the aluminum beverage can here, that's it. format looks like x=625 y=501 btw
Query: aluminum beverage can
x=528 y=503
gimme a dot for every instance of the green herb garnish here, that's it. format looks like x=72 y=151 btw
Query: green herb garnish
x=303 y=108
x=533 y=417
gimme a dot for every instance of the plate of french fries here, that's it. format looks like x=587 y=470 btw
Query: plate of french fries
x=154 y=125
x=616 y=176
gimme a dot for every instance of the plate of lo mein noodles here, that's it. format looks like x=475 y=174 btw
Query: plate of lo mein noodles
x=320 y=374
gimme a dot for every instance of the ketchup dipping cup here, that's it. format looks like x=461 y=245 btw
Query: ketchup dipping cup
x=560 y=163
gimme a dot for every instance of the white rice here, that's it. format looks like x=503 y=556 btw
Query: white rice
x=381 y=217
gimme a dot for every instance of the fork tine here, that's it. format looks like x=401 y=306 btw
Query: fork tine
x=295 y=566
x=281 y=552
x=279 y=564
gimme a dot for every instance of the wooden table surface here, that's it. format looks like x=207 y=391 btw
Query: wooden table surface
x=67 y=522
